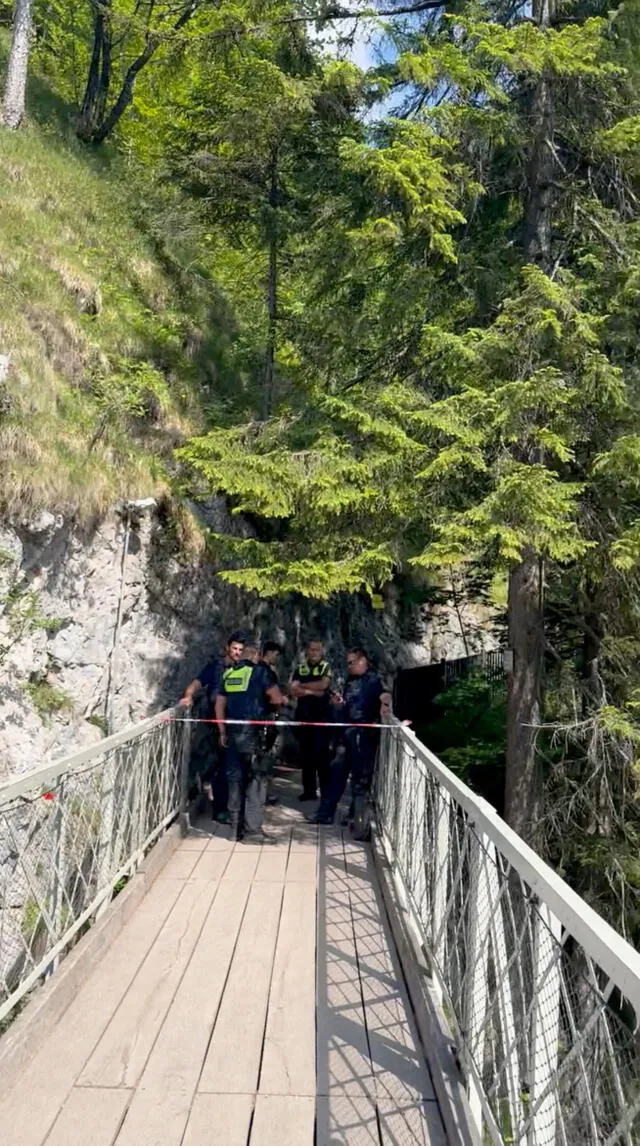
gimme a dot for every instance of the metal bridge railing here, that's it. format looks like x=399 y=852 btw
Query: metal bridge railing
x=543 y=996
x=69 y=832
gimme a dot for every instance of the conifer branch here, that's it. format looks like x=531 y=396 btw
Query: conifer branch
x=328 y=16
x=368 y=13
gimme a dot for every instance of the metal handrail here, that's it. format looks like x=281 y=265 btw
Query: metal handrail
x=47 y=773
x=71 y=831
x=542 y=995
x=611 y=951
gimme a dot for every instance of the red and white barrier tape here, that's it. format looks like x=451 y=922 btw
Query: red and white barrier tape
x=279 y=723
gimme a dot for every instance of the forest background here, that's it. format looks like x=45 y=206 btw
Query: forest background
x=390 y=312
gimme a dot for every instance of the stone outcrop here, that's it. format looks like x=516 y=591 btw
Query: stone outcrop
x=100 y=627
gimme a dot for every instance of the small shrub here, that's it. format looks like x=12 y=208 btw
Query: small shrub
x=31 y=916
x=99 y=721
x=120 y=885
x=48 y=700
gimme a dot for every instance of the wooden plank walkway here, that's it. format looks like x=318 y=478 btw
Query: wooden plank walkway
x=254 y=999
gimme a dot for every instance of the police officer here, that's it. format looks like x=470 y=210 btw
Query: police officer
x=363 y=701
x=208 y=683
x=248 y=692
x=270 y=657
x=310 y=687
x=210 y=677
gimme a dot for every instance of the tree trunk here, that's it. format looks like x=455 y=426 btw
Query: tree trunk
x=524 y=780
x=99 y=77
x=541 y=170
x=541 y=166
x=272 y=290
x=523 y=788
x=104 y=129
x=593 y=694
x=13 y=103
x=609 y=784
x=105 y=123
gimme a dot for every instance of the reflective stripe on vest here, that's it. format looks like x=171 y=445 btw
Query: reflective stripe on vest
x=313 y=670
x=237 y=679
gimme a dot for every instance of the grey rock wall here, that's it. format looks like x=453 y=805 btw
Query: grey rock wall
x=101 y=627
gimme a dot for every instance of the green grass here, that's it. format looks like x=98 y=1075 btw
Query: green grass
x=48 y=700
x=99 y=721
x=97 y=321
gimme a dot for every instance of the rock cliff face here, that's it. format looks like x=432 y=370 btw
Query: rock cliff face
x=101 y=627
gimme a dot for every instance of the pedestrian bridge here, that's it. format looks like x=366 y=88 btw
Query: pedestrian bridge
x=441 y=985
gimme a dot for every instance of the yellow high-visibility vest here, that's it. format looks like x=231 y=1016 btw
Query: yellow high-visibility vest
x=237 y=679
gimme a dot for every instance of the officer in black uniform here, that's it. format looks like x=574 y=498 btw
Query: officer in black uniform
x=270 y=658
x=248 y=692
x=355 y=747
x=310 y=687
x=206 y=685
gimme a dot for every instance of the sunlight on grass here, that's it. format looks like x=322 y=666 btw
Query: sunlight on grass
x=97 y=393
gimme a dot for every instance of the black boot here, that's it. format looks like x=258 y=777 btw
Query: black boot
x=259 y=837
x=236 y=830
x=361 y=818
x=318 y=817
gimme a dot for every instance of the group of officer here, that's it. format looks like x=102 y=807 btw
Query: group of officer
x=332 y=726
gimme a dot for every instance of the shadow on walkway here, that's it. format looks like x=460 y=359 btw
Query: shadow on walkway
x=373 y=1087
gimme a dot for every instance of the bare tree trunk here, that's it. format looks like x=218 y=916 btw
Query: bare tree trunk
x=456 y=605
x=125 y=97
x=593 y=694
x=15 y=89
x=524 y=780
x=523 y=787
x=99 y=78
x=103 y=124
x=272 y=290
x=593 y=697
x=540 y=174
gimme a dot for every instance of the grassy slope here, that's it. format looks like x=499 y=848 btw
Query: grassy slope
x=93 y=403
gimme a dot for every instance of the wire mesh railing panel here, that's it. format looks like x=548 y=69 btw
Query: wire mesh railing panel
x=543 y=997
x=65 y=844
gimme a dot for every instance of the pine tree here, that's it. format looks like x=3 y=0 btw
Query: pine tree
x=444 y=414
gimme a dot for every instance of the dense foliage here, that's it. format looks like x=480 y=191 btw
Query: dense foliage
x=418 y=349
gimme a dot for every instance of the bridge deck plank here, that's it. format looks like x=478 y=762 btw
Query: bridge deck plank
x=398 y=1066
x=211 y=866
x=416 y=1122
x=289 y=1058
x=29 y=1110
x=254 y=999
x=349 y=1120
x=90 y=1115
x=283 y=1120
x=272 y=866
x=160 y=1108
x=343 y=1060
x=233 y=1059
x=219 y=1120
x=122 y=1052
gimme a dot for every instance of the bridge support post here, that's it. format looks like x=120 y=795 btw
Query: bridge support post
x=106 y=842
x=546 y=1028
x=144 y=794
x=510 y=1024
x=477 y=992
x=58 y=875
x=185 y=758
x=440 y=876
